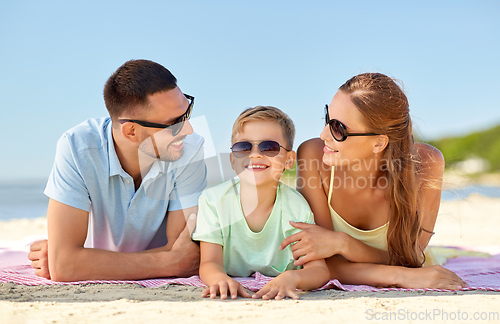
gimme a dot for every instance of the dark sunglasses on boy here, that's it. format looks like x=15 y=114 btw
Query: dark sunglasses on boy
x=268 y=148
x=176 y=126
x=338 y=130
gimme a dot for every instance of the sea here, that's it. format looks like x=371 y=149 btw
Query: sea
x=25 y=199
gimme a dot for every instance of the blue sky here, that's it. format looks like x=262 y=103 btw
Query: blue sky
x=230 y=55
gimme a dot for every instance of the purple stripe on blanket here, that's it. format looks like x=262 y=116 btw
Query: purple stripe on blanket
x=479 y=273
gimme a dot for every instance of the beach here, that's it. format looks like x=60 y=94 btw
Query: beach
x=472 y=222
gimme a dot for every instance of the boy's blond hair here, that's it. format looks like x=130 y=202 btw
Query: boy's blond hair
x=266 y=113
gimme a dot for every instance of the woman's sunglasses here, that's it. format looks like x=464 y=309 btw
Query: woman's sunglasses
x=338 y=130
x=268 y=148
x=176 y=126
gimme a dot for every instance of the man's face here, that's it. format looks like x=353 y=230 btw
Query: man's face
x=165 y=108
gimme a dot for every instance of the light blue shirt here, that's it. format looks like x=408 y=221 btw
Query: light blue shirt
x=88 y=175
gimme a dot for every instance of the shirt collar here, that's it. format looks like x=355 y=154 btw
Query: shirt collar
x=115 y=168
x=157 y=168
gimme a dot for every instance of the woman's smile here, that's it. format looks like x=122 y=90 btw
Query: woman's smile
x=328 y=150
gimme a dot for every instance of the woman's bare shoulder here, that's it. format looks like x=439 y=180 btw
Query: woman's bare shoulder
x=428 y=154
x=431 y=161
x=311 y=149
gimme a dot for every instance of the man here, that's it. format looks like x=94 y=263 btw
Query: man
x=122 y=188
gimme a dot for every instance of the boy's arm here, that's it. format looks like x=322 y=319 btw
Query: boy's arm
x=213 y=275
x=70 y=261
x=313 y=275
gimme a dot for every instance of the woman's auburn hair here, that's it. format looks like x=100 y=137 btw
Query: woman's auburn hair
x=385 y=107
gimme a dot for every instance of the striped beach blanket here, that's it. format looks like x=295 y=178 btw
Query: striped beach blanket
x=480 y=272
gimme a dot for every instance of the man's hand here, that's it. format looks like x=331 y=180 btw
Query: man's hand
x=39 y=258
x=189 y=251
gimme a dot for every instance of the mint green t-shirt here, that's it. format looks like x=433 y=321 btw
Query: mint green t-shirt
x=221 y=221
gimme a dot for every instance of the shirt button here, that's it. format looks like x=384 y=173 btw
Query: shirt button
x=127 y=181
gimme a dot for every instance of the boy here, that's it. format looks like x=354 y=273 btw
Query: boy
x=242 y=223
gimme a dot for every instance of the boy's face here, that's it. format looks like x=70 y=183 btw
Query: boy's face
x=256 y=168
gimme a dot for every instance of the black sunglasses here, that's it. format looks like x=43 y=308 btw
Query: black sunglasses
x=268 y=148
x=338 y=130
x=176 y=126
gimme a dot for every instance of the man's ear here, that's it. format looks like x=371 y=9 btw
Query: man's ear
x=129 y=131
x=380 y=144
x=291 y=156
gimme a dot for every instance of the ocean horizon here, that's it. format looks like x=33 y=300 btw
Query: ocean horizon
x=25 y=199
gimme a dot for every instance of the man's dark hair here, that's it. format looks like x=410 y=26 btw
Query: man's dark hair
x=132 y=82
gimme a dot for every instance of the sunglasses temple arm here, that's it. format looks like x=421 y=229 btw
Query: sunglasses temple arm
x=362 y=134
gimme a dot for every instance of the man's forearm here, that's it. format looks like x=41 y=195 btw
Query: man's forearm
x=94 y=264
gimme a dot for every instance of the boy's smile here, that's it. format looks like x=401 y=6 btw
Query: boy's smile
x=256 y=167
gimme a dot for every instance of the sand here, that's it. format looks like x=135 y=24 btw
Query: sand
x=472 y=222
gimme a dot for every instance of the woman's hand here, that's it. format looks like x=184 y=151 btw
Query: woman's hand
x=434 y=277
x=284 y=285
x=313 y=243
x=222 y=286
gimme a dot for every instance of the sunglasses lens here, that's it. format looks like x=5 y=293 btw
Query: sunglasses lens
x=269 y=148
x=337 y=130
x=241 y=149
x=176 y=128
x=189 y=111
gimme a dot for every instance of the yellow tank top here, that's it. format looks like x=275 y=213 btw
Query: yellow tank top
x=376 y=238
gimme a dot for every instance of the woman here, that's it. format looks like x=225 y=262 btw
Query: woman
x=374 y=193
